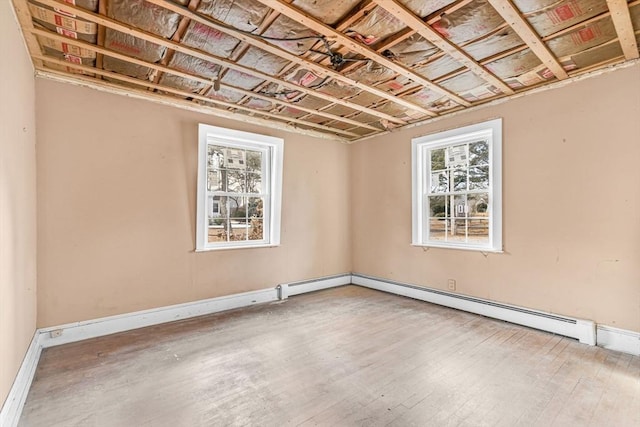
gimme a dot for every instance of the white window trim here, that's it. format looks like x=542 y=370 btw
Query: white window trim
x=419 y=146
x=275 y=146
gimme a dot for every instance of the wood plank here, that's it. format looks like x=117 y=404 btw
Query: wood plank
x=622 y=22
x=128 y=29
x=177 y=37
x=343 y=356
x=114 y=88
x=408 y=17
x=150 y=85
x=164 y=69
x=102 y=31
x=21 y=9
x=522 y=28
x=356 y=47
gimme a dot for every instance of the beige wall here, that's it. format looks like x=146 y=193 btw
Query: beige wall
x=17 y=200
x=571 y=205
x=117 y=200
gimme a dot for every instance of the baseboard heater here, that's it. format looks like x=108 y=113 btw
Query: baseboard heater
x=582 y=330
x=296 y=288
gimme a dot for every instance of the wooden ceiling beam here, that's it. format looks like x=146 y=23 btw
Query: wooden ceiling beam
x=352 y=45
x=116 y=88
x=177 y=36
x=21 y=9
x=128 y=29
x=278 y=51
x=149 y=85
x=624 y=27
x=405 y=15
x=164 y=69
x=522 y=28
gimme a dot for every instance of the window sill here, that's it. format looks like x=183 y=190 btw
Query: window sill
x=225 y=248
x=456 y=247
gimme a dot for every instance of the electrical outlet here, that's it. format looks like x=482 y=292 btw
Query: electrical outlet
x=56 y=333
x=451 y=284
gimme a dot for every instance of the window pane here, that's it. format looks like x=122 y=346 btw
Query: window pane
x=236 y=180
x=214 y=180
x=478 y=204
x=218 y=230
x=438 y=228
x=460 y=206
x=256 y=229
x=238 y=230
x=254 y=161
x=213 y=208
x=237 y=209
x=459 y=179
x=479 y=178
x=438 y=206
x=235 y=158
x=479 y=231
x=479 y=153
x=215 y=156
x=439 y=182
x=459 y=231
x=256 y=208
x=437 y=159
x=256 y=215
x=456 y=156
x=254 y=183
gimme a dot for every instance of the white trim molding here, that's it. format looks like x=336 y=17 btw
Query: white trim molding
x=582 y=330
x=619 y=339
x=296 y=288
x=12 y=408
x=78 y=331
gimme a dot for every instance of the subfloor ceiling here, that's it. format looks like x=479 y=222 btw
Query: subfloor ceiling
x=344 y=69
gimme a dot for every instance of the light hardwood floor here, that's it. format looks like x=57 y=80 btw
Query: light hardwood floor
x=346 y=357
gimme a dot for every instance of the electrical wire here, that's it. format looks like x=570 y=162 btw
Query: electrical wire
x=336 y=58
x=289 y=92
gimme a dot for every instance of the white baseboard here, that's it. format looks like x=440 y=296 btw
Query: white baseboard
x=79 y=331
x=296 y=288
x=12 y=408
x=619 y=339
x=583 y=330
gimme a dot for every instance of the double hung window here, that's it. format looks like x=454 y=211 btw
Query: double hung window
x=457 y=188
x=239 y=189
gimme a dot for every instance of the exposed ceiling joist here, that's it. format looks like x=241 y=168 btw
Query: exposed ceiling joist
x=356 y=47
x=168 y=70
x=401 y=12
x=624 y=27
x=150 y=85
x=24 y=18
x=418 y=66
x=128 y=29
x=273 y=49
x=512 y=16
x=92 y=82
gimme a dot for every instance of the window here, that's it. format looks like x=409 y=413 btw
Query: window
x=239 y=189
x=457 y=183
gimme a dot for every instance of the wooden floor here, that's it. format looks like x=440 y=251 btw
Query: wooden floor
x=344 y=357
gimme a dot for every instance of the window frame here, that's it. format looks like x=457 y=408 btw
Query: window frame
x=273 y=149
x=490 y=130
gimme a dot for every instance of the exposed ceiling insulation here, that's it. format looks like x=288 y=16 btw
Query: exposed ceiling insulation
x=341 y=68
